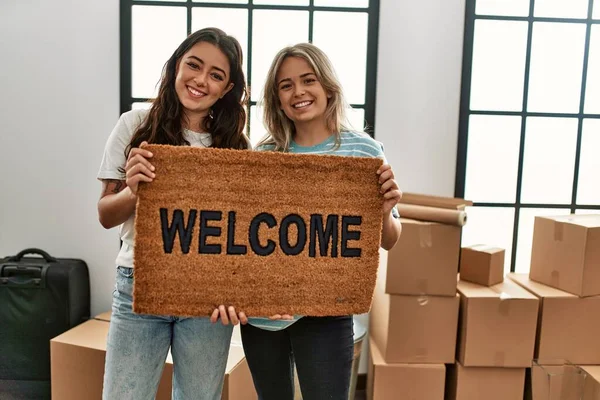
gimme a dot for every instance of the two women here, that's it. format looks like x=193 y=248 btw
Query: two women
x=200 y=103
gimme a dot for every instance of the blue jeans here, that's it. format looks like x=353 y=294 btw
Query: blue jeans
x=137 y=347
x=321 y=348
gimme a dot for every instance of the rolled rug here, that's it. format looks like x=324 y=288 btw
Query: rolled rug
x=434 y=214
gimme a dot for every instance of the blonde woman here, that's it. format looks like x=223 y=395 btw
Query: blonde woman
x=304 y=112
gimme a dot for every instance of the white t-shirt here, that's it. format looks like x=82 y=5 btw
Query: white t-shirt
x=114 y=158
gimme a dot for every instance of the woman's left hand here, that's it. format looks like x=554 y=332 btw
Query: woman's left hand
x=228 y=315
x=389 y=188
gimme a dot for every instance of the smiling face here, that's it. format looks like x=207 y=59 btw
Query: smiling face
x=302 y=97
x=202 y=78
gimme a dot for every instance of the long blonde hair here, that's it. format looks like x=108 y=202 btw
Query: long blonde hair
x=280 y=129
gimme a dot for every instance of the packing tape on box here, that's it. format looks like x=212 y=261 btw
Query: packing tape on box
x=499 y=357
x=422 y=286
x=558 y=231
x=504 y=307
x=420 y=353
x=554 y=278
x=425 y=236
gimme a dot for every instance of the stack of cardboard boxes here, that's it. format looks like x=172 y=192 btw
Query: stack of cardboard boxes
x=414 y=316
x=565 y=277
x=496 y=333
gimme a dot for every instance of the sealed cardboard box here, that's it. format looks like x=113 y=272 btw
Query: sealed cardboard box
x=403 y=381
x=482 y=264
x=471 y=383
x=425 y=259
x=569 y=326
x=591 y=390
x=565 y=253
x=413 y=329
x=77 y=366
x=497 y=325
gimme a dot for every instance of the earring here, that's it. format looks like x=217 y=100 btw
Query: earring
x=211 y=114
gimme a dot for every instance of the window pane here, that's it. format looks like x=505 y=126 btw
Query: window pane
x=592 y=85
x=271 y=31
x=343 y=3
x=502 y=7
x=596 y=10
x=356 y=117
x=234 y=21
x=588 y=187
x=257 y=129
x=144 y=106
x=477 y=230
x=282 y=2
x=525 y=238
x=561 y=8
x=549 y=160
x=158 y=1
x=499 y=50
x=492 y=158
x=556 y=67
x=222 y=1
x=348 y=50
x=152 y=47
x=586 y=211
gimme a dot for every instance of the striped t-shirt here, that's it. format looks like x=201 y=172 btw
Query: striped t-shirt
x=352 y=144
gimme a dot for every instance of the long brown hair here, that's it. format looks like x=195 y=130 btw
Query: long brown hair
x=163 y=124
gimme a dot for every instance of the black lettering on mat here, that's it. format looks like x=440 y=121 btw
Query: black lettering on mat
x=177 y=226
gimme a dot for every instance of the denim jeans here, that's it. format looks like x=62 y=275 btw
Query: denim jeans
x=137 y=347
x=321 y=348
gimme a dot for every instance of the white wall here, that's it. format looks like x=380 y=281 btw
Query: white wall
x=59 y=100
x=418 y=95
x=418 y=91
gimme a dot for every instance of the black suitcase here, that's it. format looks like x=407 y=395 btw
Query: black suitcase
x=40 y=298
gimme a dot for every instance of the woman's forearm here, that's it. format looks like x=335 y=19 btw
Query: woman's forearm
x=390 y=231
x=116 y=208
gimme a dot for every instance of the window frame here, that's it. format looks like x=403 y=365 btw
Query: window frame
x=126 y=98
x=466 y=112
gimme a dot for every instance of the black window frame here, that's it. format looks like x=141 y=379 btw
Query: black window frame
x=126 y=99
x=466 y=112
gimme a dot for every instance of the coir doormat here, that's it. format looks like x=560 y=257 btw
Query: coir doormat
x=269 y=233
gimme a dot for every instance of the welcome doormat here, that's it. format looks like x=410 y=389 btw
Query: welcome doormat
x=269 y=233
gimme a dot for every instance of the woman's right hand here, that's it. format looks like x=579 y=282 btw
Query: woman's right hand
x=228 y=315
x=138 y=168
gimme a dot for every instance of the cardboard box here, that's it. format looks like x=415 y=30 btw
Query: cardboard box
x=77 y=364
x=406 y=381
x=482 y=264
x=414 y=329
x=425 y=260
x=566 y=253
x=591 y=388
x=470 y=383
x=497 y=325
x=555 y=382
x=105 y=316
x=568 y=327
